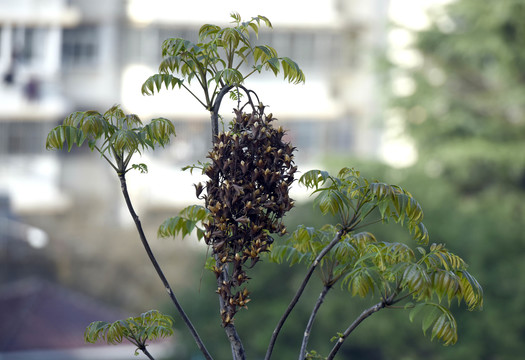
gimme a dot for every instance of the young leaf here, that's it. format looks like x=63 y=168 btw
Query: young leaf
x=189 y=219
x=148 y=326
x=155 y=82
x=140 y=167
x=64 y=134
x=314 y=178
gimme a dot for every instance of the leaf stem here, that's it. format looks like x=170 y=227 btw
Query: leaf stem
x=106 y=158
x=368 y=224
x=195 y=96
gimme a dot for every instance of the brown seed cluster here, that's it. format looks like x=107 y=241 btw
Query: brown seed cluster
x=251 y=171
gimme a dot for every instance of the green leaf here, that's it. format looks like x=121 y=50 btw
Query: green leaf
x=155 y=82
x=262 y=53
x=330 y=201
x=470 y=290
x=440 y=319
x=430 y=318
x=314 y=178
x=255 y=28
x=140 y=167
x=116 y=135
x=126 y=140
x=273 y=64
x=265 y=19
x=417 y=281
x=229 y=76
x=189 y=219
x=291 y=71
x=150 y=325
x=399 y=205
x=64 y=134
x=208 y=30
x=362 y=281
x=159 y=131
x=415 y=310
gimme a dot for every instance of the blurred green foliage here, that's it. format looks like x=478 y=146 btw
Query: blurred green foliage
x=467 y=116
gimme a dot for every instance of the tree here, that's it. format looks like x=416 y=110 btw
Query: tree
x=466 y=115
x=250 y=170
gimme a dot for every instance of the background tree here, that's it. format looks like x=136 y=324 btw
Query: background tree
x=467 y=117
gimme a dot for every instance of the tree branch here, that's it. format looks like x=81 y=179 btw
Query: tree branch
x=308 y=329
x=147 y=353
x=215 y=111
x=231 y=332
x=365 y=314
x=156 y=265
x=300 y=291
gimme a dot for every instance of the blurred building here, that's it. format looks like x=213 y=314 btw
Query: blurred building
x=57 y=56
x=44 y=321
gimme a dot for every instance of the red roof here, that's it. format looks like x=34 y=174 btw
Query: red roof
x=36 y=314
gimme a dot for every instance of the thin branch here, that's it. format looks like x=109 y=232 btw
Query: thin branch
x=107 y=159
x=146 y=352
x=250 y=101
x=231 y=332
x=300 y=291
x=141 y=345
x=365 y=314
x=195 y=96
x=118 y=159
x=235 y=342
x=214 y=92
x=213 y=66
x=156 y=265
x=215 y=111
x=239 y=64
x=250 y=73
x=230 y=56
x=308 y=329
x=386 y=302
x=401 y=298
x=367 y=224
x=128 y=159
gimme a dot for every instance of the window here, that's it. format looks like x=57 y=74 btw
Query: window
x=80 y=46
x=310 y=48
x=22 y=137
x=28 y=45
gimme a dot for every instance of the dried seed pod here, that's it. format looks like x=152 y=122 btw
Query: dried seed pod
x=247 y=195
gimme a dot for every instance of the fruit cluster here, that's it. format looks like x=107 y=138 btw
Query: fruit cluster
x=250 y=174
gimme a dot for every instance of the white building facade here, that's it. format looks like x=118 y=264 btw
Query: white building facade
x=58 y=56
